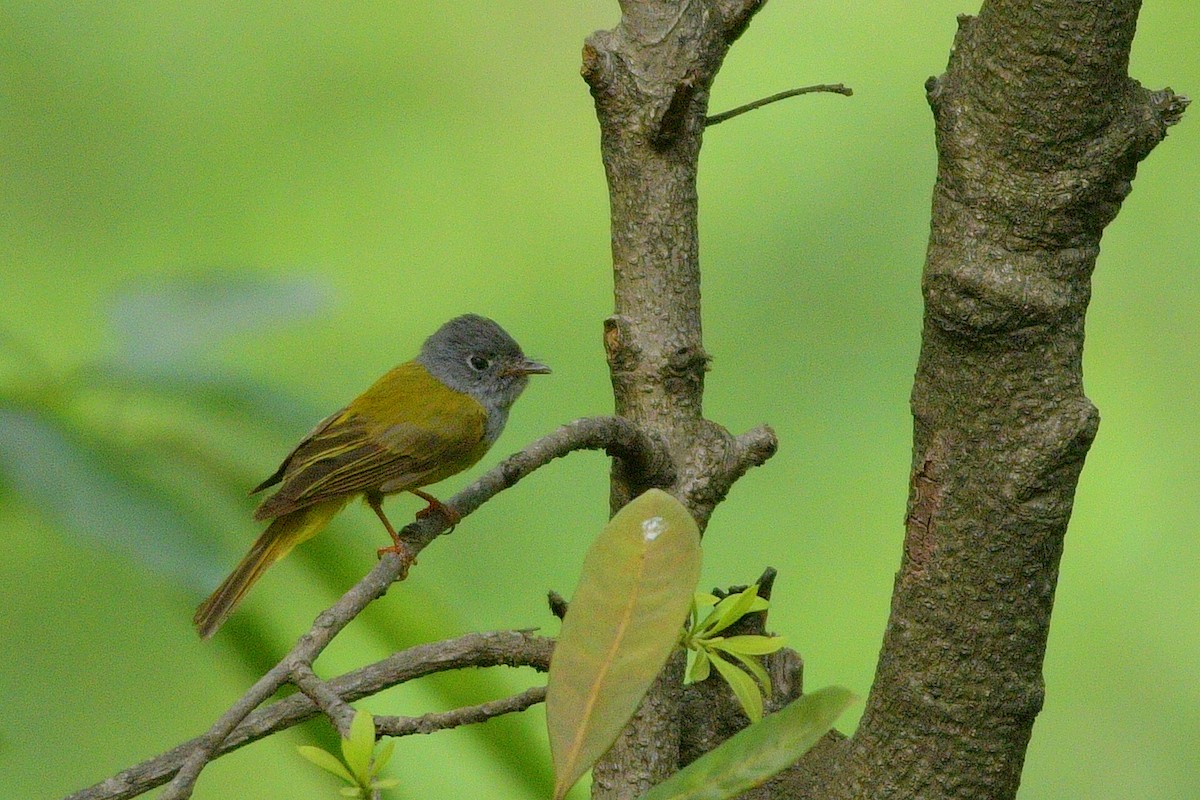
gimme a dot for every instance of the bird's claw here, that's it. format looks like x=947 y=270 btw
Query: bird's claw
x=399 y=548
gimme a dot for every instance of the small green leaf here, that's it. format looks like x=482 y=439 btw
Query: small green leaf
x=709 y=620
x=759 y=751
x=733 y=608
x=700 y=667
x=382 y=757
x=744 y=688
x=358 y=748
x=624 y=619
x=706 y=599
x=326 y=761
x=755 y=668
x=728 y=610
x=750 y=644
x=351 y=791
x=386 y=783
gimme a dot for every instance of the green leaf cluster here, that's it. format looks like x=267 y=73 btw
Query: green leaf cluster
x=749 y=681
x=360 y=764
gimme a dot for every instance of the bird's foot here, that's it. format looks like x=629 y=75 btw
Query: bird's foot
x=407 y=558
x=437 y=507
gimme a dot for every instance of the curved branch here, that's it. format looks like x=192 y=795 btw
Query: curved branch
x=619 y=437
x=498 y=648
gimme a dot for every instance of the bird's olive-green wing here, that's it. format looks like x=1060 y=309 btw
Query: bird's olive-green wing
x=277 y=475
x=370 y=447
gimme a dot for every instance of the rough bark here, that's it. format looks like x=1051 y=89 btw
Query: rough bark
x=1039 y=132
x=650 y=79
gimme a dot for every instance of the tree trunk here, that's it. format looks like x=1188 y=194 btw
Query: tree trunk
x=1039 y=132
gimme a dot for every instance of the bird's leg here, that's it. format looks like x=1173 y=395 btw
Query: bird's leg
x=407 y=559
x=435 y=505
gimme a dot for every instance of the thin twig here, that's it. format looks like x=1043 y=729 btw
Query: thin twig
x=833 y=88
x=469 y=715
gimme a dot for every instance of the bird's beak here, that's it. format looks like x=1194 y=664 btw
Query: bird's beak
x=531 y=368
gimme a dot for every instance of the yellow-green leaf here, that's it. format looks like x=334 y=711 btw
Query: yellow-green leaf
x=358 y=748
x=634 y=592
x=382 y=757
x=731 y=609
x=326 y=761
x=755 y=668
x=700 y=667
x=744 y=688
x=759 y=751
x=748 y=644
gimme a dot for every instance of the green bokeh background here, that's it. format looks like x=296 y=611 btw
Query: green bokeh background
x=385 y=166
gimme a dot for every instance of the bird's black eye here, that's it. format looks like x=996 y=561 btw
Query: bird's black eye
x=479 y=363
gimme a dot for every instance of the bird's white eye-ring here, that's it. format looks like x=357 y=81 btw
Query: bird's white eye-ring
x=479 y=363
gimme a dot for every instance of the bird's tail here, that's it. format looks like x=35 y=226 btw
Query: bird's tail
x=284 y=533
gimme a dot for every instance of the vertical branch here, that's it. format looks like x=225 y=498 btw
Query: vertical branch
x=650 y=78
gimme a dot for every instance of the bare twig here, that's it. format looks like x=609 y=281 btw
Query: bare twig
x=496 y=648
x=469 y=715
x=558 y=603
x=833 y=88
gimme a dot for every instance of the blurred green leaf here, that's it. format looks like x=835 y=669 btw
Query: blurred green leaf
x=623 y=621
x=173 y=321
x=204 y=387
x=382 y=758
x=85 y=485
x=757 y=752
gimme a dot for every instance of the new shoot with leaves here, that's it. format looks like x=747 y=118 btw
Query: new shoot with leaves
x=360 y=765
x=710 y=649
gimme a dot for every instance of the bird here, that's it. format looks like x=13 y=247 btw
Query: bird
x=421 y=422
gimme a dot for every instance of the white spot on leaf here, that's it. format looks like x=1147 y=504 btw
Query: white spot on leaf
x=653 y=527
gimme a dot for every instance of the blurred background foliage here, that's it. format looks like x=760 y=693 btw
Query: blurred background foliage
x=220 y=221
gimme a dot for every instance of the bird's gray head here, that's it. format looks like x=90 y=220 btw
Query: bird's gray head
x=474 y=355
